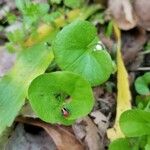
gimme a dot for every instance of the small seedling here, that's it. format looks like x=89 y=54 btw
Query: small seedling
x=33 y=58
x=48 y=95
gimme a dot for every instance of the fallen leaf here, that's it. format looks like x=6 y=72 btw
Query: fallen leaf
x=62 y=137
x=123 y=13
x=142 y=8
x=101 y=121
x=92 y=138
x=88 y=132
x=123 y=94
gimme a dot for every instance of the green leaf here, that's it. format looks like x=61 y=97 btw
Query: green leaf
x=120 y=144
x=77 y=49
x=73 y=3
x=135 y=123
x=142 y=84
x=30 y=63
x=50 y=93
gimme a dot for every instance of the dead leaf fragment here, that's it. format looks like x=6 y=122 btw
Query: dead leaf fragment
x=101 y=121
x=123 y=13
x=90 y=134
x=142 y=8
x=62 y=137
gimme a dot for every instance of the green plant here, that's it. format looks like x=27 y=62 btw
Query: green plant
x=135 y=123
x=75 y=53
x=35 y=55
x=142 y=84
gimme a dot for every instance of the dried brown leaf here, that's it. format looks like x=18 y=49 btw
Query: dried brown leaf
x=142 y=8
x=101 y=121
x=123 y=13
x=62 y=137
x=88 y=132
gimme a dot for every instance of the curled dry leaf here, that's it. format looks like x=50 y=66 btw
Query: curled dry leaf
x=123 y=13
x=62 y=137
x=88 y=132
x=142 y=8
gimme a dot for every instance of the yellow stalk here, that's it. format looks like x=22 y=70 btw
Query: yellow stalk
x=123 y=94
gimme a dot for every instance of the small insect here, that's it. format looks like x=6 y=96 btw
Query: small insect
x=65 y=112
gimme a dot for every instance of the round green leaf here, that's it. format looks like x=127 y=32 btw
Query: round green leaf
x=142 y=84
x=135 y=123
x=77 y=49
x=51 y=93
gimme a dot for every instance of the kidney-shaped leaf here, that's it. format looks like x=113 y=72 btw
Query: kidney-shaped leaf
x=77 y=49
x=135 y=123
x=60 y=97
x=142 y=84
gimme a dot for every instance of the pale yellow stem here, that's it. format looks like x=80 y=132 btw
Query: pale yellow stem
x=123 y=94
